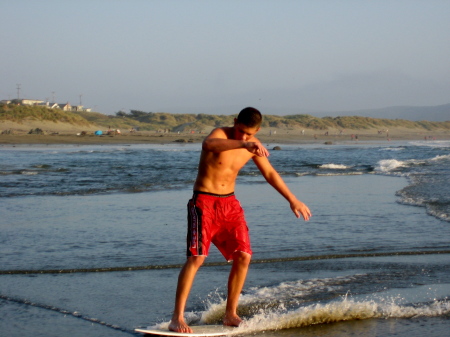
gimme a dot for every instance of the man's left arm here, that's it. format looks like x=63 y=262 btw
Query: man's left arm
x=275 y=180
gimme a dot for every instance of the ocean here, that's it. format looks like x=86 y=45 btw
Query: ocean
x=92 y=239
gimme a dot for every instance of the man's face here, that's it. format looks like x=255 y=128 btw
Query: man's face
x=242 y=132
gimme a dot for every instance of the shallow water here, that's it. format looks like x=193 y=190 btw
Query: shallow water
x=366 y=263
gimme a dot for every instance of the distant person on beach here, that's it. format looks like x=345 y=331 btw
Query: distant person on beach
x=215 y=215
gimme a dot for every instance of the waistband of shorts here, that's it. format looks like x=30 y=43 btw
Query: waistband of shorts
x=214 y=195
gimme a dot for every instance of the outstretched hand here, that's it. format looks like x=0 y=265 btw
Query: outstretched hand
x=299 y=208
x=257 y=148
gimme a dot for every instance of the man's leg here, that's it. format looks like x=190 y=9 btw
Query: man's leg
x=236 y=282
x=185 y=281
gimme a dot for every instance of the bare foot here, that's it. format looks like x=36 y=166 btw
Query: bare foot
x=232 y=320
x=179 y=326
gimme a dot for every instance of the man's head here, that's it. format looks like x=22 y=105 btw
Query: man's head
x=247 y=124
x=249 y=117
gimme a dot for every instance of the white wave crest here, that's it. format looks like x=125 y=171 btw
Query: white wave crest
x=28 y=173
x=393 y=149
x=433 y=144
x=283 y=306
x=443 y=157
x=274 y=297
x=388 y=165
x=334 y=166
x=346 y=309
x=338 y=311
x=339 y=174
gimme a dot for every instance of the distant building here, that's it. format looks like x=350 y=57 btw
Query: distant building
x=65 y=107
x=62 y=106
x=34 y=102
x=31 y=102
x=80 y=108
x=50 y=105
x=77 y=108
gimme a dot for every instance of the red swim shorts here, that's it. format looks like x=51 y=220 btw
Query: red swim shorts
x=218 y=219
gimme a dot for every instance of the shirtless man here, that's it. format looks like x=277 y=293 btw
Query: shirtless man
x=224 y=152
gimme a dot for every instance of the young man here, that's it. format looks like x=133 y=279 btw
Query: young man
x=214 y=214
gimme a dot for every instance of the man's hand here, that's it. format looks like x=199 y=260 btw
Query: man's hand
x=256 y=148
x=299 y=208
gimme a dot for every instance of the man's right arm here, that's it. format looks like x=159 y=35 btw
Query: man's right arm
x=217 y=141
x=222 y=144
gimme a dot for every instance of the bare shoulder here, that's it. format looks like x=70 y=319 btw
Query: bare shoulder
x=223 y=132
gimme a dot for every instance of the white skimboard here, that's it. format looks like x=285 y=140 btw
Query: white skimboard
x=199 y=331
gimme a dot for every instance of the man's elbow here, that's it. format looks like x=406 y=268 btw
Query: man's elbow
x=207 y=145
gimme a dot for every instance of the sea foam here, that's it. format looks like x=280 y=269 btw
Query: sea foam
x=287 y=305
x=345 y=309
x=337 y=311
x=334 y=166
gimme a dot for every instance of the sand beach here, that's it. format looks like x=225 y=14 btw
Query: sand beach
x=65 y=133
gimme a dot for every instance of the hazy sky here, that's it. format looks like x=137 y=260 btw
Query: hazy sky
x=217 y=57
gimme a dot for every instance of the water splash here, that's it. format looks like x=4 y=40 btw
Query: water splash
x=345 y=309
x=305 y=303
x=338 y=311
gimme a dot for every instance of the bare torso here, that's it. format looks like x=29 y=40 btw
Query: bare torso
x=218 y=170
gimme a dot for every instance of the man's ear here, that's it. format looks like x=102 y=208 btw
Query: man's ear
x=235 y=121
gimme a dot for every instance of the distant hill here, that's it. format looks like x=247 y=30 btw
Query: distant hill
x=148 y=121
x=439 y=113
x=183 y=122
x=22 y=113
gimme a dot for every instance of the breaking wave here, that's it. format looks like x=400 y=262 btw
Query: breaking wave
x=339 y=174
x=338 y=311
x=334 y=166
x=394 y=165
x=441 y=157
x=437 y=144
x=288 y=305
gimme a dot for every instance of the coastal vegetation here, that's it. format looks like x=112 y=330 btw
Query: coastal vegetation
x=182 y=122
x=149 y=121
x=22 y=113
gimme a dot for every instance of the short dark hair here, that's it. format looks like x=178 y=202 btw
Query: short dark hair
x=250 y=117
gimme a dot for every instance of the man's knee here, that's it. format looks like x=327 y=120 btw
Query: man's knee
x=242 y=258
x=196 y=261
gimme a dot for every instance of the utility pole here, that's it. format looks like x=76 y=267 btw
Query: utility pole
x=18 y=91
x=80 y=100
